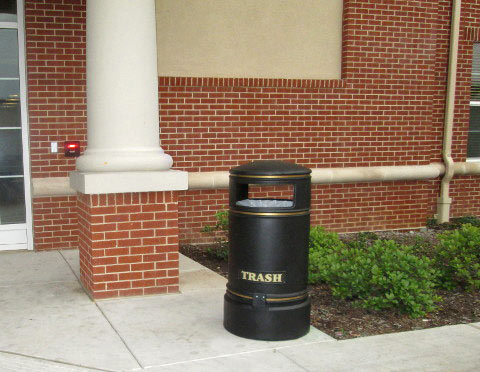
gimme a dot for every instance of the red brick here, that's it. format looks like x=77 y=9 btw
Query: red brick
x=105 y=278
x=117 y=252
x=154 y=257
x=119 y=285
x=105 y=294
x=130 y=276
x=129 y=259
x=155 y=274
x=143 y=283
x=142 y=250
x=166 y=281
x=141 y=233
x=104 y=261
x=143 y=266
x=118 y=268
x=166 y=265
x=155 y=290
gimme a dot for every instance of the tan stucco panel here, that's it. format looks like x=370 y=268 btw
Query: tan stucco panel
x=298 y=39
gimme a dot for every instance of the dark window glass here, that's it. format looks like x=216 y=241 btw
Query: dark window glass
x=473 y=148
x=12 y=201
x=11 y=158
x=8 y=10
x=8 y=54
x=9 y=103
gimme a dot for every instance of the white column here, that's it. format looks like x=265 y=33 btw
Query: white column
x=122 y=88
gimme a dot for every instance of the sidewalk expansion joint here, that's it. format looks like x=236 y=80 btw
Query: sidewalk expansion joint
x=105 y=317
x=275 y=349
x=71 y=269
x=120 y=336
x=56 y=362
x=293 y=361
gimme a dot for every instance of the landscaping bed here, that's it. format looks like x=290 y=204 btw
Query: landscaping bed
x=344 y=318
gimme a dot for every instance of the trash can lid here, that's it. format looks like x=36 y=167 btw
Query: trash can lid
x=270 y=168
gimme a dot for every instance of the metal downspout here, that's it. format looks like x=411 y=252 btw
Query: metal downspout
x=444 y=201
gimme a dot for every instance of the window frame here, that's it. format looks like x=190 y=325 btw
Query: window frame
x=19 y=25
x=473 y=103
x=473 y=159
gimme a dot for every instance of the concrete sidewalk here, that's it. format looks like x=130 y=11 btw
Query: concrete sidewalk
x=48 y=323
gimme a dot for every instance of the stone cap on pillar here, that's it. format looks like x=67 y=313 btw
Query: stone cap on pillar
x=122 y=182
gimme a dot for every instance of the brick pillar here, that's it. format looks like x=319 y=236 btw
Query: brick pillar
x=128 y=243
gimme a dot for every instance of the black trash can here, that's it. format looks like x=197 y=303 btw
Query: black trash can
x=266 y=297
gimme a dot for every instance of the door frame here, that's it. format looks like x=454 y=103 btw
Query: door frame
x=20 y=27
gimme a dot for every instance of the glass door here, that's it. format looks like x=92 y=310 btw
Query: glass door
x=15 y=204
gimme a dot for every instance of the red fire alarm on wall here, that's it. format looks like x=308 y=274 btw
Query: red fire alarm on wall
x=72 y=149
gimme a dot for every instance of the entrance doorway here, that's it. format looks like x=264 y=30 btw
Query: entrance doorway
x=15 y=199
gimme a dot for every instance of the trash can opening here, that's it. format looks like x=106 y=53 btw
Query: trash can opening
x=279 y=191
x=265 y=203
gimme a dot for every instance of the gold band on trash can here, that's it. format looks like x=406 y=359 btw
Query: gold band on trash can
x=303 y=213
x=270 y=299
x=272 y=177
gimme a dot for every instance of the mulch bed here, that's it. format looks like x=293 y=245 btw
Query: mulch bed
x=342 y=320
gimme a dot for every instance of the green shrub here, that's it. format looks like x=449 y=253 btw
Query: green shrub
x=220 y=233
x=466 y=220
x=321 y=244
x=378 y=276
x=457 y=257
x=221 y=225
x=219 y=251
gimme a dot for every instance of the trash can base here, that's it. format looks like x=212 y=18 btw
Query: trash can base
x=270 y=323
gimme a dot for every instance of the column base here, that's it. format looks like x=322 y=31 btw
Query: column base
x=128 y=243
x=128 y=231
x=124 y=161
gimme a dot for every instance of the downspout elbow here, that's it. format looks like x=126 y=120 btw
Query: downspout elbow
x=444 y=200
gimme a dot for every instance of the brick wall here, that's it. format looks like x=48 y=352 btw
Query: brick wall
x=128 y=243
x=387 y=109
x=56 y=79
x=55 y=51
x=380 y=113
x=55 y=222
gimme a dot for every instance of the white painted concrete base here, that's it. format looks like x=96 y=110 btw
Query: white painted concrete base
x=121 y=182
